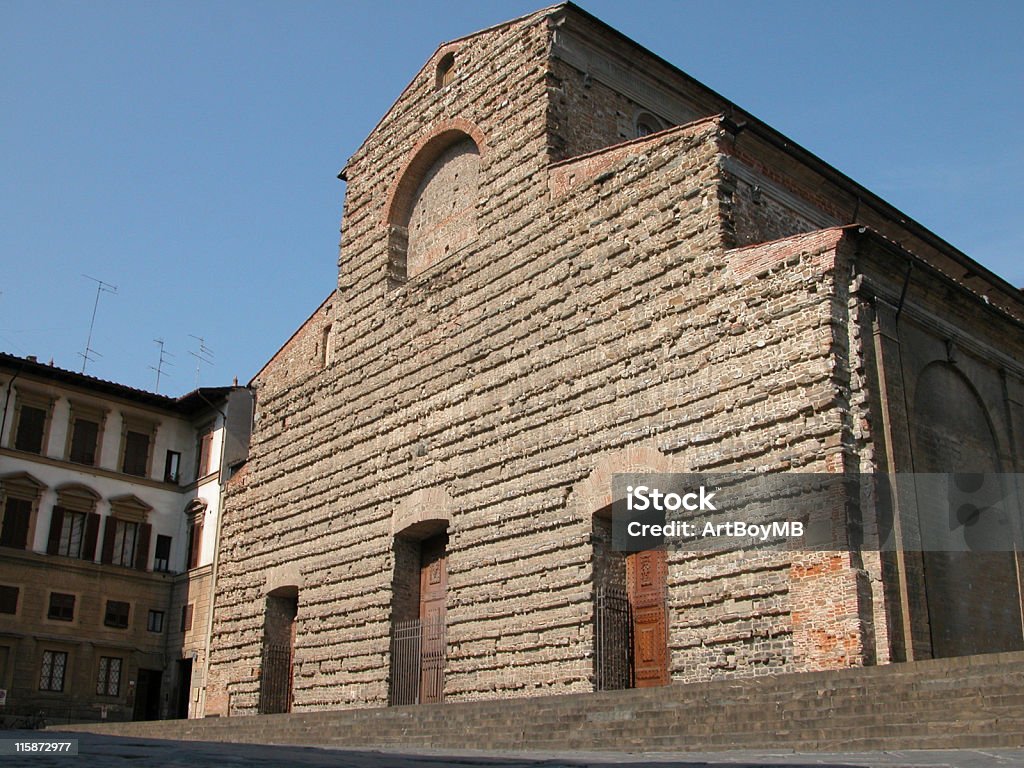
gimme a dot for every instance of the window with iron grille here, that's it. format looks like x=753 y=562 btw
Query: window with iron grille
x=108 y=682
x=62 y=607
x=8 y=599
x=117 y=614
x=155 y=621
x=51 y=674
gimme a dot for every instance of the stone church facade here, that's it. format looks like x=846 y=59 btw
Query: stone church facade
x=562 y=258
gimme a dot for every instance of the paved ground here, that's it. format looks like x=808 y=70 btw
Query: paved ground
x=96 y=751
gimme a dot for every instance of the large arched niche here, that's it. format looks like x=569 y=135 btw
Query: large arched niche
x=973 y=598
x=432 y=209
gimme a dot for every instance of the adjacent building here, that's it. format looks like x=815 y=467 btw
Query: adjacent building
x=110 y=500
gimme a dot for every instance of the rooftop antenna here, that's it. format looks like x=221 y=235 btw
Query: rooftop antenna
x=204 y=355
x=101 y=287
x=161 y=363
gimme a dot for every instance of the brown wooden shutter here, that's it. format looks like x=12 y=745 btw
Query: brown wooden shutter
x=107 y=554
x=142 y=546
x=17 y=516
x=92 y=531
x=195 y=542
x=56 y=523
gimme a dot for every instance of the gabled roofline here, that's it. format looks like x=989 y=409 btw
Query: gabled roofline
x=291 y=338
x=534 y=16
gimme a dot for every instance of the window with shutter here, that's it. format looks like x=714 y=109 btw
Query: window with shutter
x=84 y=441
x=16 y=522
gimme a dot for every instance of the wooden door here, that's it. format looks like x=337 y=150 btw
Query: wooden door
x=645 y=585
x=433 y=600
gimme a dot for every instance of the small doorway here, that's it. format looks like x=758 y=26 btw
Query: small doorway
x=433 y=606
x=419 y=620
x=147 y=695
x=630 y=613
x=184 y=688
x=276 y=675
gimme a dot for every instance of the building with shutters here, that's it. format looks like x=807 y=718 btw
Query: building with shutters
x=564 y=258
x=109 y=506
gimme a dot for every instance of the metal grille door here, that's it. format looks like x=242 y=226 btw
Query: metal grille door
x=276 y=680
x=418 y=658
x=612 y=641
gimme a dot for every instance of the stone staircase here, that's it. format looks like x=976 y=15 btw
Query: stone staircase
x=971 y=702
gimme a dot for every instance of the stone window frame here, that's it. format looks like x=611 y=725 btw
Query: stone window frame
x=114 y=614
x=129 y=510
x=81 y=411
x=23 y=486
x=46 y=675
x=58 y=604
x=75 y=499
x=109 y=672
x=195 y=516
x=32 y=399
x=142 y=426
x=18 y=602
x=155 y=620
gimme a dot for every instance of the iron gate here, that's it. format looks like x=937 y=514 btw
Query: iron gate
x=276 y=680
x=418 y=656
x=613 y=641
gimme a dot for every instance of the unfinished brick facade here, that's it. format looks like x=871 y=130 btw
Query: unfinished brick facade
x=532 y=298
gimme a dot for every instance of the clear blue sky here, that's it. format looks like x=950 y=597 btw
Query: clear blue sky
x=187 y=151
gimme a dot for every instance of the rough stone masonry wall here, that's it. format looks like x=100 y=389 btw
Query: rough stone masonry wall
x=311 y=509
x=580 y=324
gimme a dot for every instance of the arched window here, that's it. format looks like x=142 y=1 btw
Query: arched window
x=646 y=124
x=433 y=213
x=445 y=70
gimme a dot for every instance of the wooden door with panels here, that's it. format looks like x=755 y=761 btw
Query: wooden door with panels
x=433 y=602
x=646 y=573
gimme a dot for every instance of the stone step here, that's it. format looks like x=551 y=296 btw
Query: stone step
x=948 y=703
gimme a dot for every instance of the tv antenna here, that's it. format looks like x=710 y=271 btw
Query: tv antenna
x=101 y=287
x=161 y=363
x=204 y=355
